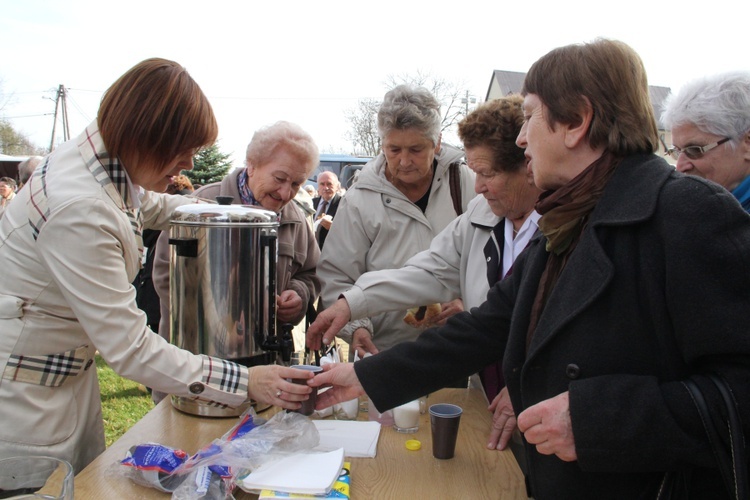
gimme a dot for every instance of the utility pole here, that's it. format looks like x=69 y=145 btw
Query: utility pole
x=466 y=100
x=62 y=105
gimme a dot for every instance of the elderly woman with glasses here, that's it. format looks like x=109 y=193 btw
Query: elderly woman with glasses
x=710 y=122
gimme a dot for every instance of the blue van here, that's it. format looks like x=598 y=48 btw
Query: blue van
x=344 y=166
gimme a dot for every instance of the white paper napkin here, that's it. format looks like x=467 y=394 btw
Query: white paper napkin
x=358 y=439
x=309 y=473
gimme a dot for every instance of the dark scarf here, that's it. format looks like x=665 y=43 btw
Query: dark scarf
x=565 y=213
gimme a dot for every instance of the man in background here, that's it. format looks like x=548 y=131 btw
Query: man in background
x=326 y=204
x=27 y=167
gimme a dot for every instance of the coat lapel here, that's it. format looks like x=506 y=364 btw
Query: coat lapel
x=112 y=177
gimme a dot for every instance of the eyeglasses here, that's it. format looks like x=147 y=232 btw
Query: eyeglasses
x=694 y=152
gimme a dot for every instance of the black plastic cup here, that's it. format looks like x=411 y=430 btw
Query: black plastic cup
x=444 y=420
x=308 y=405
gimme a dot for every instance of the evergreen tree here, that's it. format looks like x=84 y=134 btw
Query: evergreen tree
x=209 y=165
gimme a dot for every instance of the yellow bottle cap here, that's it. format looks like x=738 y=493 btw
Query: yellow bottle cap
x=413 y=445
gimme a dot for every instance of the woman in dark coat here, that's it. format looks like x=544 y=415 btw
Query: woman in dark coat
x=638 y=284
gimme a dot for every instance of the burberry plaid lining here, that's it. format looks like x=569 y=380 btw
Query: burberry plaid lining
x=224 y=375
x=38 y=210
x=51 y=370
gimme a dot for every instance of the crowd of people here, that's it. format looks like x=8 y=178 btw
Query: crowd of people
x=589 y=283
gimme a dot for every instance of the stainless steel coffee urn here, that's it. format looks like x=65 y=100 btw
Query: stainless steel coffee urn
x=223 y=288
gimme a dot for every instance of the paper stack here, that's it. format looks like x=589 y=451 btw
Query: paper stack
x=311 y=473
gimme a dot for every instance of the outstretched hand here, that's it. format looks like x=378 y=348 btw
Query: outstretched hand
x=328 y=323
x=343 y=382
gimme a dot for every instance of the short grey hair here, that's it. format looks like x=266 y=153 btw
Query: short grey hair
x=286 y=136
x=406 y=107
x=27 y=167
x=717 y=104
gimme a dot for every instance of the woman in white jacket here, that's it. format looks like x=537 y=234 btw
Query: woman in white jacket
x=71 y=245
x=401 y=200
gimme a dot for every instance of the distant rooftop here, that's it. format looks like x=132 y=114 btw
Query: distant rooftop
x=511 y=82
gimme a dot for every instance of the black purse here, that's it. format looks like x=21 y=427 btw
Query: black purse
x=731 y=461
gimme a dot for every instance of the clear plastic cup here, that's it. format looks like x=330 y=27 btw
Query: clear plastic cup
x=36 y=477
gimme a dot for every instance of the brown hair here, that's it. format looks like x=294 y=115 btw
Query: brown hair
x=154 y=113
x=496 y=125
x=611 y=76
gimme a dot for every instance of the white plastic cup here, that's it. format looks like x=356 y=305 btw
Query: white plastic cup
x=348 y=410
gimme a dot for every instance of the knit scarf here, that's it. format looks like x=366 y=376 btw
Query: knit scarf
x=565 y=213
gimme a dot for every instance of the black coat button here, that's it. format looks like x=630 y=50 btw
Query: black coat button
x=572 y=371
x=196 y=388
x=88 y=364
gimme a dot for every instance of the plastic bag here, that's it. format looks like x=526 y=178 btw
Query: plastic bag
x=211 y=472
x=284 y=433
x=153 y=465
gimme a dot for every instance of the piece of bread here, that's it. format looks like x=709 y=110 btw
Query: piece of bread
x=422 y=315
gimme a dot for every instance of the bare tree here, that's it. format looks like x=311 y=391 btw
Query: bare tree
x=4 y=99
x=449 y=94
x=364 y=127
x=452 y=96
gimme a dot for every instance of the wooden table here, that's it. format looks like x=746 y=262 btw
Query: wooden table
x=474 y=472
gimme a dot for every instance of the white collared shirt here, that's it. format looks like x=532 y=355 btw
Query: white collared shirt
x=512 y=247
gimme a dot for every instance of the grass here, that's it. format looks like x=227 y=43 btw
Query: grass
x=124 y=402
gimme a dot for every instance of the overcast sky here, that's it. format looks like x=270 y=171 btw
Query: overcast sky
x=308 y=62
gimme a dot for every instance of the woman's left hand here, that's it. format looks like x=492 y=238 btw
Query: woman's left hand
x=548 y=426
x=288 y=306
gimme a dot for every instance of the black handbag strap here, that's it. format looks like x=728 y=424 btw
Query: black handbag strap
x=737 y=437
x=454 y=180
x=732 y=463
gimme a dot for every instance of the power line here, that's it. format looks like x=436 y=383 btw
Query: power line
x=27 y=116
